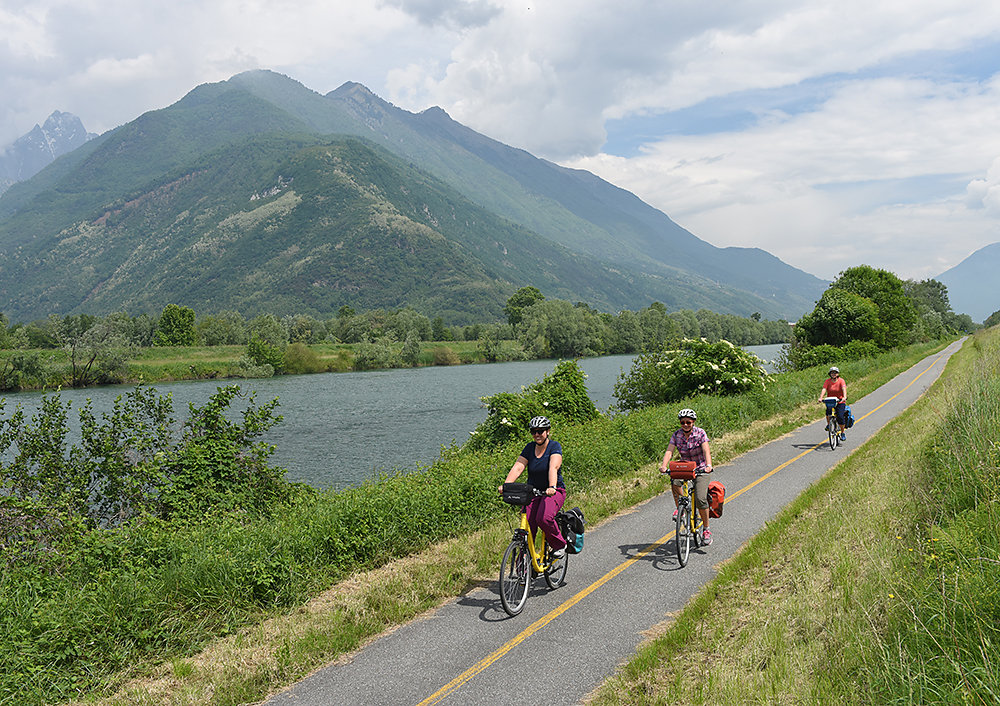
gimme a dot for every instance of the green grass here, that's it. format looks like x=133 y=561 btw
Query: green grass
x=323 y=576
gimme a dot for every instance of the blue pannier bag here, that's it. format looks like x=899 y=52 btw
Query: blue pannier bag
x=571 y=523
x=848 y=417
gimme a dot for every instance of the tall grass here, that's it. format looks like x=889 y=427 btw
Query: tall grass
x=943 y=644
x=153 y=592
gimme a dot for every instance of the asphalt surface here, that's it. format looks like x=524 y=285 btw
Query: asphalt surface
x=567 y=641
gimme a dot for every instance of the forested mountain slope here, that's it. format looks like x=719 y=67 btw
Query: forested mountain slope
x=135 y=219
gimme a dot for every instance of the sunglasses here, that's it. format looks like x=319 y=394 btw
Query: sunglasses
x=538 y=431
x=687 y=421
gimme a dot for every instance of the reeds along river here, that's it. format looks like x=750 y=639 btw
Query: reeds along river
x=340 y=429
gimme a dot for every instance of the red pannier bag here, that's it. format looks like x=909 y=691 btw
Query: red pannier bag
x=716 y=497
x=682 y=470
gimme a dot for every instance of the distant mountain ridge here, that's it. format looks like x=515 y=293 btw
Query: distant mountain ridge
x=29 y=154
x=566 y=231
x=972 y=284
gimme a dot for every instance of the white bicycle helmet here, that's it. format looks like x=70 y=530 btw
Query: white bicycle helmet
x=539 y=423
x=833 y=369
x=689 y=413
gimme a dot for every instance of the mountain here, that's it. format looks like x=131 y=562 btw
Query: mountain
x=126 y=220
x=972 y=283
x=29 y=154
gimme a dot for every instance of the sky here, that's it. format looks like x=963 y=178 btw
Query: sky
x=830 y=134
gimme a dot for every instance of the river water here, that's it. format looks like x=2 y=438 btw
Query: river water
x=340 y=429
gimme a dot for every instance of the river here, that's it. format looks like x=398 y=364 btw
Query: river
x=340 y=429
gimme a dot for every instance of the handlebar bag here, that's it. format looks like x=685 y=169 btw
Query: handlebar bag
x=682 y=470
x=517 y=493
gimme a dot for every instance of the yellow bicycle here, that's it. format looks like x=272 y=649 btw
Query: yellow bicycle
x=526 y=557
x=688 y=522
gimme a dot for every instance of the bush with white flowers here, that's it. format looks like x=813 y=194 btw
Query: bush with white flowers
x=696 y=367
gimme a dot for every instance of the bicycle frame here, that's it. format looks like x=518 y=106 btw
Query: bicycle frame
x=834 y=426
x=539 y=560
x=686 y=511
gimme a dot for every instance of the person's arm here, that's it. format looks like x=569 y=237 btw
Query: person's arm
x=822 y=393
x=555 y=462
x=845 y=393
x=666 y=457
x=708 y=454
x=515 y=471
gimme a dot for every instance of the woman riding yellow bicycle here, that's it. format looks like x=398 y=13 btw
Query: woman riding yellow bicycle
x=691 y=443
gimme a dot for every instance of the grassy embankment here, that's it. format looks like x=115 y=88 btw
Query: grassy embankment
x=879 y=585
x=341 y=542
x=172 y=363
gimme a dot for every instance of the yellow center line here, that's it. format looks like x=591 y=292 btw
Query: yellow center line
x=556 y=612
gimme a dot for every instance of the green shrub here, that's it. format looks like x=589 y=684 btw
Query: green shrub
x=561 y=396
x=697 y=367
x=372 y=355
x=443 y=355
x=300 y=358
x=262 y=353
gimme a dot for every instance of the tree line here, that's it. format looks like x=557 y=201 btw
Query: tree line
x=98 y=348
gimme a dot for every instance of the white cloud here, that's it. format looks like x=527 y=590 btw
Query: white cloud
x=856 y=123
x=984 y=193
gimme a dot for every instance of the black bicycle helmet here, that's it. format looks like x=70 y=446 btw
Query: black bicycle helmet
x=689 y=413
x=539 y=423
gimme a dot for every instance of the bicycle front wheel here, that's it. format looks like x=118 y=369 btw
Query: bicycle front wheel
x=683 y=536
x=555 y=574
x=832 y=431
x=515 y=573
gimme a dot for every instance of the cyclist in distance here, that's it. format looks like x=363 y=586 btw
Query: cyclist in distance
x=691 y=443
x=834 y=386
x=543 y=459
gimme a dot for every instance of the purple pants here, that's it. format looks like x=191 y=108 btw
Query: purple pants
x=542 y=513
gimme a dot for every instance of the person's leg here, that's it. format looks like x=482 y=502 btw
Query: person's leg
x=701 y=496
x=546 y=518
x=842 y=418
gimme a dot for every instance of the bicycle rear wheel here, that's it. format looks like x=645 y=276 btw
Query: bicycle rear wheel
x=515 y=573
x=555 y=574
x=683 y=536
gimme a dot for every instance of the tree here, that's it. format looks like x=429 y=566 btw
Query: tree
x=884 y=289
x=556 y=329
x=993 y=319
x=270 y=330
x=226 y=328
x=839 y=317
x=519 y=301
x=175 y=327
x=98 y=354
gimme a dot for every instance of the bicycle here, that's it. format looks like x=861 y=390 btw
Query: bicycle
x=688 y=523
x=523 y=560
x=833 y=428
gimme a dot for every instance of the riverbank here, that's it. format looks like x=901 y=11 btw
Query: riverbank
x=161 y=364
x=289 y=644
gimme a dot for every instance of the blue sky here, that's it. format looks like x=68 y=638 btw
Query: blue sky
x=830 y=134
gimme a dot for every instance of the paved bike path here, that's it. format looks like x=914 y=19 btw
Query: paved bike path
x=567 y=641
